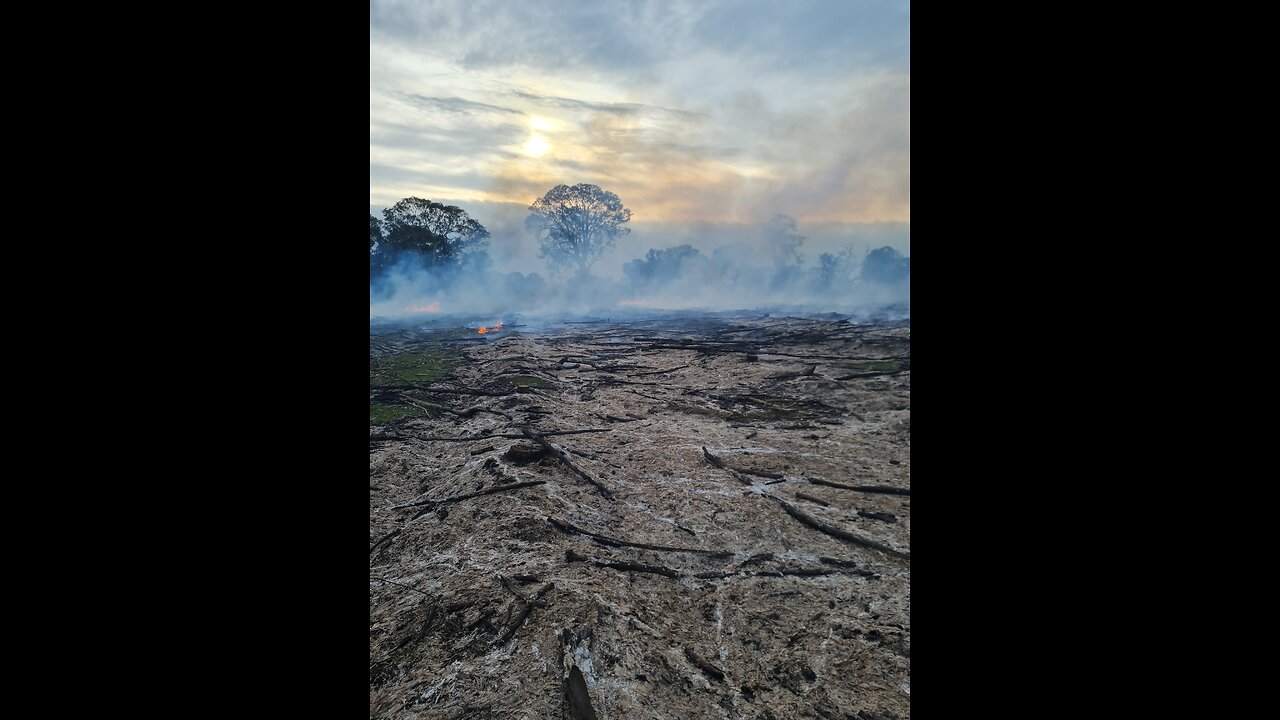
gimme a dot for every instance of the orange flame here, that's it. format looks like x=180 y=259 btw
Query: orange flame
x=486 y=330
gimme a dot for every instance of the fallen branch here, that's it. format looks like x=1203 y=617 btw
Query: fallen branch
x=469 y=391
x=719 y=464
x=850 y=565
x=473 y=410
x=572 y=529
x=834 y=531
x=549 y=433
x=564 y=459
x=589 y=456
x=572 y=556
x=881 y=489
x=506 y=582
x=509 y=631
x=715 y=461
x=712 y=671
x=619 y=381
x=579 y=698
x=385 y=538
x=876 y=373
x=406 y=587
x=881 y=516
x=762 y=473
x=456 y=498
x=813 y=499
x=469 y=438
x=659 y=372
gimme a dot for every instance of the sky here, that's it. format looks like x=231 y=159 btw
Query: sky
x=702 y=116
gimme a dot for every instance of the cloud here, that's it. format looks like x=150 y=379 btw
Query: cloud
x=723 y=110
x=815 y=34
x=459 y=105
x=575 y=104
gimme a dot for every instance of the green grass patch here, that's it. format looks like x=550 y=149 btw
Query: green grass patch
x=380 y=413
x=404 y=370
x=412 y=368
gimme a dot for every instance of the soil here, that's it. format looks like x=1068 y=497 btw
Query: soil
x=727 y=537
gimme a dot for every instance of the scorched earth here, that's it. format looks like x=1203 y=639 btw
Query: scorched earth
x=684 y=517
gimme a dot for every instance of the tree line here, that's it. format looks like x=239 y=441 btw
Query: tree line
x=576 y=224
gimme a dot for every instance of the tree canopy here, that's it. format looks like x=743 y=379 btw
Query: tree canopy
x=436 y=233
x=886 y=265
x=575 y=224
x=833 y=271
x=376 y=240
x=660 y=267
x=784 y=242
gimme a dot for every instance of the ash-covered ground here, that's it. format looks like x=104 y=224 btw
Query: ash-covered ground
x=697 y=518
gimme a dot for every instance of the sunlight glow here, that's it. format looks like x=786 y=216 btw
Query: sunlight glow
x=541 y=123
x=536 y=146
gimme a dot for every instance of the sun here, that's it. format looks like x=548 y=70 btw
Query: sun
x=537 y=146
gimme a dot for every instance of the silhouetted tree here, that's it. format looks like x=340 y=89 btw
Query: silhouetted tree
x=377 y=248
x=784 y=242
x=375 y=234
x=433 y=232
x=784 y=248
x=576 y=224
x=886 y=265
x=662 y=266
x=833 y=272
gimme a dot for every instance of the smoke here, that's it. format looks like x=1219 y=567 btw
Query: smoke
x=768 y=267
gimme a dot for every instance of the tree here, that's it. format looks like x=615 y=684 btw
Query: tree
x=377 y=249
x=886 y=265
x=784 y=247
x=375 y=234
x=436 y=233
x=833 y=272
x=576 y=224
x=660 y=267
x=784 y=243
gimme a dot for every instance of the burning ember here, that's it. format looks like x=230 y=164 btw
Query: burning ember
x=486 y=330
x=432 y=308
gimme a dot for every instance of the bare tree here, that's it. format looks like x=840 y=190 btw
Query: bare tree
x=576 y=224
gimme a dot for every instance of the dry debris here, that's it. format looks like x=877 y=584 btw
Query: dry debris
x=698 y=518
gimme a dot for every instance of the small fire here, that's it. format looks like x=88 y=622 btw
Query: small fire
x=432 y=308
x=486 y=330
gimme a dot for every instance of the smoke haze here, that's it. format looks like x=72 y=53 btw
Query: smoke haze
x=663 y=266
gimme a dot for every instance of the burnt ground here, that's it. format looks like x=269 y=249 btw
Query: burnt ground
x=707 y=518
